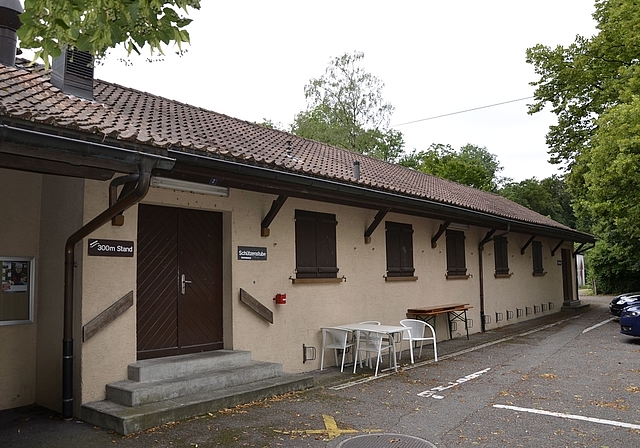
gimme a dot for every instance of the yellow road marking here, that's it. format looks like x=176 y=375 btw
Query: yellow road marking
x=331 y=429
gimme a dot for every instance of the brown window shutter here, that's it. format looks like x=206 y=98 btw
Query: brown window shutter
x=315 y=245
x=306 y=245
x=536 y=249
x=501 y=254
x=399 y=245
x=456 y=263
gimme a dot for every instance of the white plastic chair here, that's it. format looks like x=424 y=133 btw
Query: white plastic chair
x=416 y=333
x=335 y=339
x=373 y=342
x=363 y=338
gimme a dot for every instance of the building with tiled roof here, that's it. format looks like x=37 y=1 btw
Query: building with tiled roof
x=154 y=232
x=126 y=117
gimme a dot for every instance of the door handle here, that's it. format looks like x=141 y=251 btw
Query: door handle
x=183 y=283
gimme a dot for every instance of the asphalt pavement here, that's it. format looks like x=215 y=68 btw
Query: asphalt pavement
x=566 y=379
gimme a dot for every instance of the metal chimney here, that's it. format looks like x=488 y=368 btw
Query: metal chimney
x=10 y=11
x=72 y=72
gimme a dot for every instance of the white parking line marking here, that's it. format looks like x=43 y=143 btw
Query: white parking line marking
x=597 y=325
x=431 y=392
x=568 y=416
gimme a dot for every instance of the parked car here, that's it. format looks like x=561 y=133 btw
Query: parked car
x=630 y=321
x=622 y=301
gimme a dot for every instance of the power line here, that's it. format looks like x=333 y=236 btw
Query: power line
x=462 y=111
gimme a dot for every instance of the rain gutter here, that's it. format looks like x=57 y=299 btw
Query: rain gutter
x=380 y=197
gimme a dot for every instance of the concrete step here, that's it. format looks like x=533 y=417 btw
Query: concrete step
x=127 y=420
x=134 y=393
x=182 y=365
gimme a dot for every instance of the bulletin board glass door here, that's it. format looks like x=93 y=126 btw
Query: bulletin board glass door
x=16 y=297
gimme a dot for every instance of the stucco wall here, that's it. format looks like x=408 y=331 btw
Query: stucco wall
x=522 y=290
x=61 y=216
x=19 y=235
x=105 y=279
x=51 y=208
x=364 y=294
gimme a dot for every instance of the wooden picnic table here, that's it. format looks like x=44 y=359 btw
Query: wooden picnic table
x=454 y=311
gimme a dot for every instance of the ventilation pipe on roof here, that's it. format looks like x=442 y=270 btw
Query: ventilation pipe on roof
x=356 y=169
x=10 y=11
x=72 y=72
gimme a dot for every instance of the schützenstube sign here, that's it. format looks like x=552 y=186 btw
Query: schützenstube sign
x=252 y=253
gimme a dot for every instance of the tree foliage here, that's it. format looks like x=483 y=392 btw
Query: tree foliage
x=345 y=108
x=594 y=89
x=611 y=197
x=589 y=76
x=471 y=165
x=268 y=123
x=97 y=25
x=549 y=197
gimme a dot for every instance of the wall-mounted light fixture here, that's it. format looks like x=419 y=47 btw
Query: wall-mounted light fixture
x=183 y=185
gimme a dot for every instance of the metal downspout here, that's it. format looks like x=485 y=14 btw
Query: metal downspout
x=575 y=295
x=481 y=281
x=144 y=181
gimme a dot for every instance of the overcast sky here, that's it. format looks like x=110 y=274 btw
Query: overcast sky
x=251 y=60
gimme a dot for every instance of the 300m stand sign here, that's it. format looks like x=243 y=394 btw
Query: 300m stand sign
x=110 y=248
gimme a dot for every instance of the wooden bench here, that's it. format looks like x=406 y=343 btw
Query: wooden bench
x=454 y=311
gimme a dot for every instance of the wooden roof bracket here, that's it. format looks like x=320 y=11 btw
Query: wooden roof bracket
x=580 y=249
x=276 y=205
x=553 y=251
x=376 y=221
x=523 y=248
x=488 y=237
x=436 y=237
x=129 y=182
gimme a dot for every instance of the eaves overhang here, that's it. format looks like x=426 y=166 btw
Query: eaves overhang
x=29 y=149
x=297 y=183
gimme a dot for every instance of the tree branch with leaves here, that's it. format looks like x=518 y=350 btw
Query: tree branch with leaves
x=95 y=26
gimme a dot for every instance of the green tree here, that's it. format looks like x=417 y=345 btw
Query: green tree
x=345 y=108
x=471 y=165
x=268 y=123
x=593 y=86
x=584 y=79
x=549 y=197
x=611 y=197
x=95 y=26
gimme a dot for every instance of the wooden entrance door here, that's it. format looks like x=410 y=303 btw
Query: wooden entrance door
x=567 y=275
x=179 y=297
